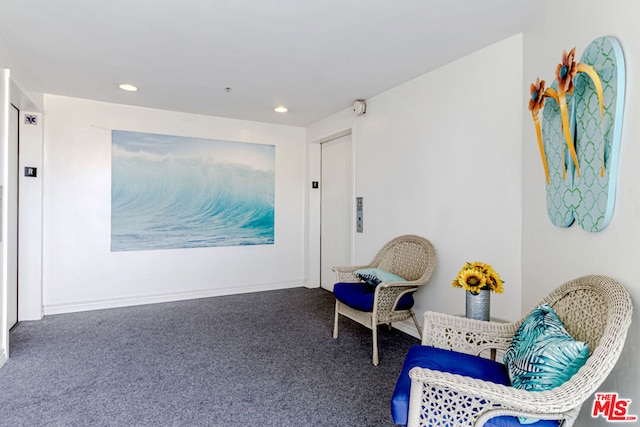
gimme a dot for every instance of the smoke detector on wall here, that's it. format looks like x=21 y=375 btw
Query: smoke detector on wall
x=359 y=107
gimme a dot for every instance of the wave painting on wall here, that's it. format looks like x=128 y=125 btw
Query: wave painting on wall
x=175 y=192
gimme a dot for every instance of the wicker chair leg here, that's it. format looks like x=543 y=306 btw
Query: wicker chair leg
x=335 y=321
x=375 y=344
x=415 y=321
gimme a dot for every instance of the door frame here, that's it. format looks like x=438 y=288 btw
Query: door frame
x=12 y=195
x=30 y=267
x=5 y=103
x=314 y=203
x=346 y=196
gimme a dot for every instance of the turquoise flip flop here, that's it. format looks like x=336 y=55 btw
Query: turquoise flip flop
x=561 y=199
x=598 y=132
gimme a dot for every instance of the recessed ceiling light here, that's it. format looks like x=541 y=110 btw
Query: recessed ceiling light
x=281 y=109
x=128 y=87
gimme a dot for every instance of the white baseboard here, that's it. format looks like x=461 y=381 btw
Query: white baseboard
x=160 y=298
x=309 y=286
x=3 y=358
x=407 y=327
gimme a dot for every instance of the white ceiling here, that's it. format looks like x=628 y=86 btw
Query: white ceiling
x=314 y=56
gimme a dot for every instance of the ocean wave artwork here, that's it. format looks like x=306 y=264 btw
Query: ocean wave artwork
x=171 y=192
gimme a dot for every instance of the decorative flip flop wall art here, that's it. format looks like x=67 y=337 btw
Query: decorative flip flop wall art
x=579 y=134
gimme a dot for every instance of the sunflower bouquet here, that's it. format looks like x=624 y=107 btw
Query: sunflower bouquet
x=478 y=276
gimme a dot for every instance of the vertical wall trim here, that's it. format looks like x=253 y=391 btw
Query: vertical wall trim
x=4 y=141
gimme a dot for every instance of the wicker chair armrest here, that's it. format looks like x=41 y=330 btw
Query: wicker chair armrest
x=402 y=284
x=396 y=288
x=465 y=335
x=481 y=400
x=345 y=273
x=387 y=296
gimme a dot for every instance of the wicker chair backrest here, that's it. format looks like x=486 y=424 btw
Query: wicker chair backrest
x=597 y=310
x=410 y=257
x=591 y=308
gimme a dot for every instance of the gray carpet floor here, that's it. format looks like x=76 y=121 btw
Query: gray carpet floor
x=260 y=359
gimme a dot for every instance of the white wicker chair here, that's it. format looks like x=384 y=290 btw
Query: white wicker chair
x=594 y=309
x=410 y=257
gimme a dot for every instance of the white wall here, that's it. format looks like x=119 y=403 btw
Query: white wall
x=439 y=156
x=81 y=273
x=554 y=255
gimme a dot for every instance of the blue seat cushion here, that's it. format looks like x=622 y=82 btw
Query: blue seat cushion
x=360 y=296
x=456 y=363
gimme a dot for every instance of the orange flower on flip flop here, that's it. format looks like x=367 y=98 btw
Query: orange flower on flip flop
x=537 y=96
x=566 y=70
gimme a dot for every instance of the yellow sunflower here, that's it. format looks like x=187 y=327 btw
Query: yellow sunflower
x=494 y=281
x=480 y=266
x=477 y=276
x=472 y=280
